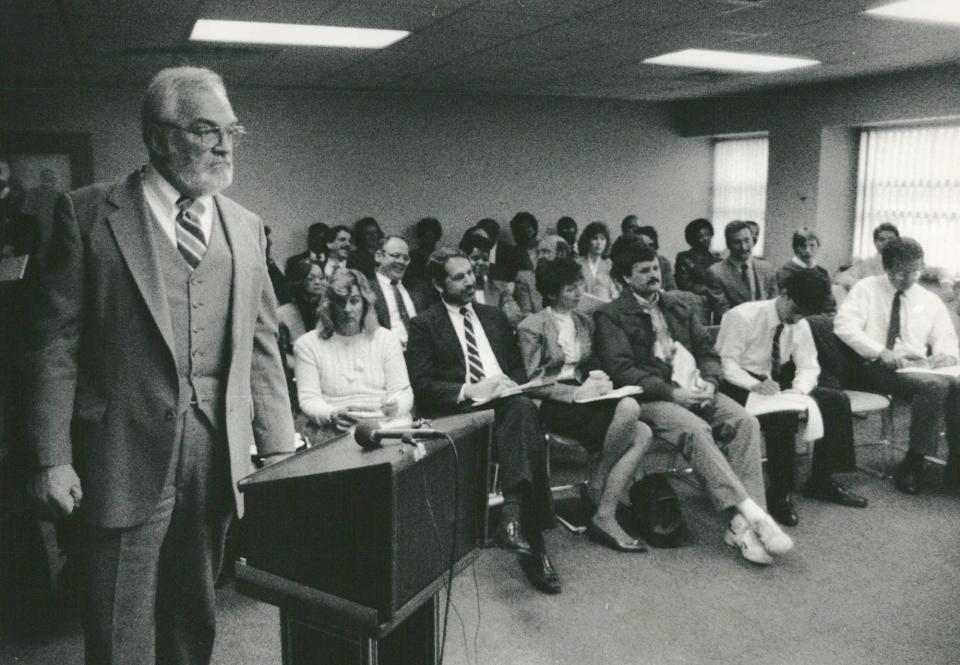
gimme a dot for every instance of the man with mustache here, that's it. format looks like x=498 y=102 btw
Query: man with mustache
x=155 y=369
x=460 y=351
x=637 y=341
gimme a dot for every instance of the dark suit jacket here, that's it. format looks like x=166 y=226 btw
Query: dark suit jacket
x=417 y=295
x=725 y=287
x=435 y=359
x=508 y=263
x=624 y=342
x=103 y=361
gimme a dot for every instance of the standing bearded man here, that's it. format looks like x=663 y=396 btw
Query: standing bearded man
x=155 y=368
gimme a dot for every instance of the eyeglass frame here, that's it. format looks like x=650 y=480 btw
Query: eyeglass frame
x=234 y=132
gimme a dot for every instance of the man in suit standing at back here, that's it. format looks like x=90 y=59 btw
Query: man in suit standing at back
x=155 y=368
x=460 y=351
x=741 y=277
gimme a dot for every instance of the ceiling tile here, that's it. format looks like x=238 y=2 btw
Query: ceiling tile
x=276 y=11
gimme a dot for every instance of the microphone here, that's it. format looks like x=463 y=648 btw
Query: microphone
x=369 y=435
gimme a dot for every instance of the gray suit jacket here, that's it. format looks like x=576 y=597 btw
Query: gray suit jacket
x=725 y=287
x=104 y=378
x=540 y=348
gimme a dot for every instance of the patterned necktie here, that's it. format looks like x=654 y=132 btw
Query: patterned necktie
x=893 y=332
x=190 y=239
x=775 y=354
x=474 y=366
x=401 y=305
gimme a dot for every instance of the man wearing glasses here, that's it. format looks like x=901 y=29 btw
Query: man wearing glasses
x=155 y=369
x=897 y=327
x=395 y=304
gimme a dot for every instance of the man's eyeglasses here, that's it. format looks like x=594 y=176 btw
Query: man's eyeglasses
x=904 y=274
x=211 y=136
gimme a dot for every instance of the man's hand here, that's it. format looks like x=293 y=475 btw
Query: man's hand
x=57 y=489
x=487 y=388
x=691 y=398
x=942 y=360
x=594 y=386
x=889 y=359
x=766 y=387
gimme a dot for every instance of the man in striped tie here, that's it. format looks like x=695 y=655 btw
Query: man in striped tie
x=459 y=352
x=155 y=367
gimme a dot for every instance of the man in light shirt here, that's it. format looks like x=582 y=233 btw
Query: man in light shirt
x=395 y=305
x=459 y=352
x=894 y=324
x=766 y=348
x=872 y=266
x=339 y=248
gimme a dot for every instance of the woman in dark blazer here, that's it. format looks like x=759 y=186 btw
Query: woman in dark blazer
x=558 y=340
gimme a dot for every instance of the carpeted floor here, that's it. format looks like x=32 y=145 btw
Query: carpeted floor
x=873 y=586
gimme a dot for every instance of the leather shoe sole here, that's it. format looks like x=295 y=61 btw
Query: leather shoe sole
x=540 y=572
x=598 y=535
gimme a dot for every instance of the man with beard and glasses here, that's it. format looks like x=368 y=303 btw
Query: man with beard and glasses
x=154 y=369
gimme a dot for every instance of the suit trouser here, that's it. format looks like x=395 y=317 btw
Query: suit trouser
x=520 y=449
x=931 y=396
x=832 y=453
x=704 y=437
x=148 y=591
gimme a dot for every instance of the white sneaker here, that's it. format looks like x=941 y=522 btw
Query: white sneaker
x=774 y=540
x=740 y=535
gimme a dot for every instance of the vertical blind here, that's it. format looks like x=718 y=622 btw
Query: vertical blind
x=739 y=184
x=910 y=176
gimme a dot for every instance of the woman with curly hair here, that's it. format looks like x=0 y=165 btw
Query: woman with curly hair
x=594 y=249
x=350 y=365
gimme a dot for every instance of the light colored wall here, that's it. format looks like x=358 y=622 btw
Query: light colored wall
x=334 y=157
x=813 y=144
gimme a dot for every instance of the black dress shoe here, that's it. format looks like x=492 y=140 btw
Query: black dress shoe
x=510 y=537
x=540 y=572
x=834 y=492
x=782 y=510
x=598 y=535
x=907 y=477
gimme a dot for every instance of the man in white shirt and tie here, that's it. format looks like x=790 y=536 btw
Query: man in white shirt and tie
x=395 y=305
x=766 y=348
x=893 y=324
x=460 y=351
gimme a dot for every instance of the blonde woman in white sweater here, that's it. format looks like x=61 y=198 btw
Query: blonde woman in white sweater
x=349 y=364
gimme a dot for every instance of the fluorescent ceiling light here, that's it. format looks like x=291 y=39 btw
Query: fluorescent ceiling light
x=939 y=11
x=729 y=61
x=289 y=34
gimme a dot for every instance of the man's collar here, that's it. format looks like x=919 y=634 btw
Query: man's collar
x=455 y=309
x=648 y=303
x=386 y=281
x=165 y=193
x=736 y=263
x=796 y=260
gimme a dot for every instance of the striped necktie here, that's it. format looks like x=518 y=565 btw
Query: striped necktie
x=190 y=239
x=775 y=367
x=474 y=366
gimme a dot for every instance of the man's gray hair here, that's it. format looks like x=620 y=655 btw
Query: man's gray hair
x=168 y=86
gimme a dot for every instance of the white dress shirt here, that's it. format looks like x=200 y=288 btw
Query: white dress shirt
x=745 y=343
x=161 y=198
x=487 y=358
x=396 y=323
x=567 y=341
x=332 y=264
x=864 y=318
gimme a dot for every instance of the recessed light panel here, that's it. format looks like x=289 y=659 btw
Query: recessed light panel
x=291 y=34
x=937 y=11
x=729 y=61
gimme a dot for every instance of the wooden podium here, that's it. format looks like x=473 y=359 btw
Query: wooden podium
x=353 y=545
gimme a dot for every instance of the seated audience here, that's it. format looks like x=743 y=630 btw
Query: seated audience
x=316 y=247
x=630 y=226
x=305 y=282
x=349 y=364
x=870 y=267
x=548 y=248
x=476 y=245
x=692 y=264
x=649 y=236
x=277 y=278
x=339 y=249
x=395 y=304
x=558 y=341
x=460 y=351
x=766 y=348
x=755 y=232
x=741 y=277
x=428 y=232
x=525 y=229
x=567 y=229
x=639 y=338
x=366 y=237
x=806 y=245
x=594 y=249
x=504 y=258
x=893 y=323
